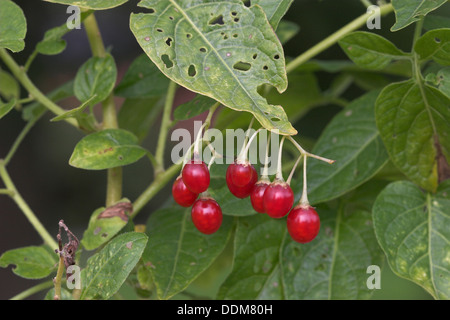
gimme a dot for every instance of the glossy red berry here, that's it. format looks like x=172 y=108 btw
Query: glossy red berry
x=195 y=176
x=182 y=195
x=303 y=224
x=278 y=199
x=206 y=215
x=257 y=195
x=240 y=173
x=241 y=192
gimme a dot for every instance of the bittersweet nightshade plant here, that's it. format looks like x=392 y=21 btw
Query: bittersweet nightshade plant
x=374 y=187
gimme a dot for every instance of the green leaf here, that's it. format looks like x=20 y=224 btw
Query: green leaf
x=75 y=112
x=101 y=229
x=97 y=76
x=106 y=149
x=31 y=262
x=13 y=26
x=434 y=44
x=413 y=120
x=275 y=10
x=412 y=229
x=139 y=115
x=178 y=253
x=9 y=86
x=443 y=77
x=91 y=4
x=5 y=108
x=225 y=51
x=193 y=107
x=370 y=50
x=268 y=264
x=65 y=294
x=409 y=11
x=287 y=30
x=436 y=22
x=142 y=80
x=106 y=271
x=352 y=139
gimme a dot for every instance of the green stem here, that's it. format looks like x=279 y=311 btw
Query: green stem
x=23 y=78
x=30 y=60
x=366 y=3
x=29 y=292
x=114 y=175
x=165 y=126
x=48 y=239
x=333 y=38
x=58 y=278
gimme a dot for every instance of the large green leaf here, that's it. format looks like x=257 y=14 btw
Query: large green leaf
x=413 y=120
x=96 y=77
x=13 y=26
x=435 y=44
x=91 y=4
x=412 y=229
x=106 y=149
x=223 y=50
x=275 y=10
x=268 y=264
x=409 y=11
x=106 y=271
x=142 y=80
x=352 y=139
x=178 y=253
x=31 y=262
x=370 y=50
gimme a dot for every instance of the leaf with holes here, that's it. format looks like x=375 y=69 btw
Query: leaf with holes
x=31 y=262
x=106 y=149
x=412 y=229
x=413 y=121
x=410 y=11
x=222 y=50
x=106 y=271
x=178 y=253
x=370 y=50
x=91 y=4
x=13 y=26
x=435 y=44
x=96 y=77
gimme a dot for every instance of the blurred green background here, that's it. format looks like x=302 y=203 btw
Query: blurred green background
x=55 y=191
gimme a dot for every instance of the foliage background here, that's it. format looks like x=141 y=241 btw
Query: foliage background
x=57 y=191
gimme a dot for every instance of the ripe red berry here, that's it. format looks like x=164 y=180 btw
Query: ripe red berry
x=241 y=192
x=278 y=199
x=240 y=173
x=206 y=215
x=195 y=176
x=181 y=194
x=257 y=195
x=303 y=224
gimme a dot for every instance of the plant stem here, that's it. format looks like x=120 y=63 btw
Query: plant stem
x=23 y=78
x=279 y=174
x=305 y=153
x=114 y=175
x=48 y=239
x=58 y=278
x=165 y=125
x=366 y=3
x=333 y=38
x=304 y=202
x=29 y=292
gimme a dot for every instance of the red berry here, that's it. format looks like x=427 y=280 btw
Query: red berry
x=182 y=195
x=257 y=195
x=195 y=175
x=278 y=199
x=241 y=173
x=303 y=224
x=241 y=192
x=206 y=215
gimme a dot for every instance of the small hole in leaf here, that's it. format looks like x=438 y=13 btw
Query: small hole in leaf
x=169 y=41
x=159 y=30
x=151 y=10
x=247 y=3
x=255 y=56
x=276 y=57
x=236 y=19
x=242 y=66
x=437 y=40
x=265 y=68
x=167 y=62
x=225 y=37
x=202 y=49
x=188 y=35
x=216 y=20
x=192 y=71
x=171 y=18
x=234 y=13
x=275 y=119
x=235 y=35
